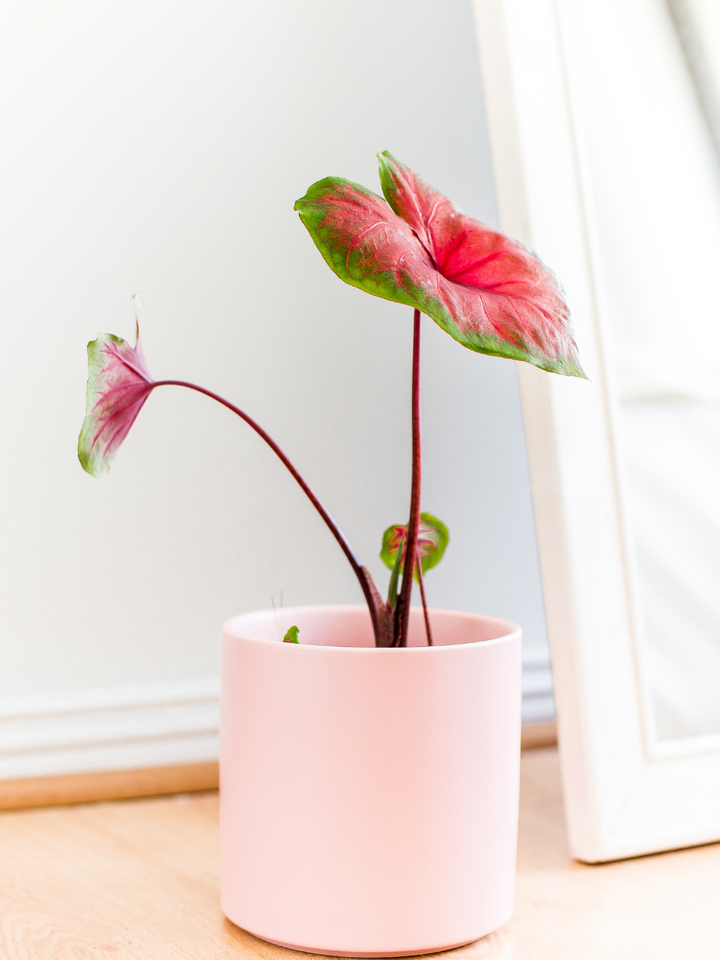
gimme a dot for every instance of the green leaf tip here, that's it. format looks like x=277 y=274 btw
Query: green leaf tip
x=292 y=635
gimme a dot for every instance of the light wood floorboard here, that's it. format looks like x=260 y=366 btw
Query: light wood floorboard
x=138 y=880
x=107 y=785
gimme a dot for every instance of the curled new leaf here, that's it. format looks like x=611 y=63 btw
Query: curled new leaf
x=119 y=383
x=292 y=635
x=433 y=537
x=490 y=293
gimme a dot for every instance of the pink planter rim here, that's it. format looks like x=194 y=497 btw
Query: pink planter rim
x=417 y=645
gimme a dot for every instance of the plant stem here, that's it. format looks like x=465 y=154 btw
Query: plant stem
x=360 y=572
x=402 y=610
x=426 y=615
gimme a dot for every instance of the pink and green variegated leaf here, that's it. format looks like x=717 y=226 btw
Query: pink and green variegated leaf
x=487 y=291
x=362 y=240
x=433 y=538
x=493 y=295
x=119 y=383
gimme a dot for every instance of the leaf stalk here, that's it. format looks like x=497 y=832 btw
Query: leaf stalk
x=402 y=610
x=426 y=614
x=360 y=572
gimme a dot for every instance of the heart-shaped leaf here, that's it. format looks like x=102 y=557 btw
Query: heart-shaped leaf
x=490 y=293
x=119 y=383
x=433 y=537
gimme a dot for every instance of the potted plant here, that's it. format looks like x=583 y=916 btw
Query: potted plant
x=370 y=754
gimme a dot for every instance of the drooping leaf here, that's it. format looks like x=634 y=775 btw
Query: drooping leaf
x=433 y=537
x=490 y=293
x=292 y=635
x=119 y=383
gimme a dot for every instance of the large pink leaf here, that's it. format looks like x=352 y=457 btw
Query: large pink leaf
x=119 y=383
x=487 y=291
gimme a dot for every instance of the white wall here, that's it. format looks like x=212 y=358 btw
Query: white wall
x=158 y=147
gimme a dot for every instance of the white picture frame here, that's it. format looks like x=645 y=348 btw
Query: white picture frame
x=626 y=793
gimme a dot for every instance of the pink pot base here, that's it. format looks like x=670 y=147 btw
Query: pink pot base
x=369 y=797
x=342 y=953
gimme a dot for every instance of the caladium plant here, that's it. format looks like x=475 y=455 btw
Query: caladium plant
x=415 y=247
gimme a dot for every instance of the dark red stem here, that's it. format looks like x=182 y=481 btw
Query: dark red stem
x=360 y=572
x=402 y=610
x=421 y=582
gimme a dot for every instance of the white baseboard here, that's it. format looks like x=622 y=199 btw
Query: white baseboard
x=148 y=725
x=121 y=728
x=538 y=702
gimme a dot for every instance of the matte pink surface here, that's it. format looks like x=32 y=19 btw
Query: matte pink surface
x=369 y=796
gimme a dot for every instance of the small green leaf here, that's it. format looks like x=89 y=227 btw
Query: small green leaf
x=292 y=635
x=433 y=537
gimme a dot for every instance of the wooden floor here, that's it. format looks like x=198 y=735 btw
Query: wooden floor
x=138 y=880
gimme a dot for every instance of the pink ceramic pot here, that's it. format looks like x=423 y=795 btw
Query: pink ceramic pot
x=369 y=797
